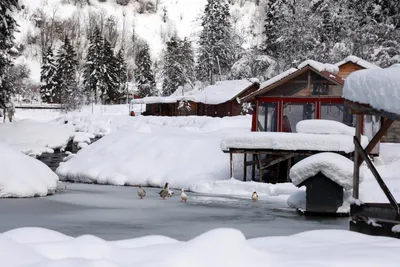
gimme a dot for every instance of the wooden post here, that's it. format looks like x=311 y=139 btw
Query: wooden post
x=231 y=163
x=356 y=173
x=259 y=167
x=289 y=165
x=253 y=168
x=245 y=168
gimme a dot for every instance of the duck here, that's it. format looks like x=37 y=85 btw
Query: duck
x=141 y=193
x=254 y=196
x=184 y=196
x=164 y=193
x=170 y=193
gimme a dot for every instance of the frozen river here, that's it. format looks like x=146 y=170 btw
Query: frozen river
x=117 y=213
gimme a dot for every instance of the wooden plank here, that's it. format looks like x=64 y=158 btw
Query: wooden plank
x=378 y=178
x=376 y=139
x=276 y=161
x=358 y=108
x=356 y=170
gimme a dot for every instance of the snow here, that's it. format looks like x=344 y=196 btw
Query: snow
x=219 y=93
x=34 y=138
x=215 y=248
x=359 y=61
x=23 y=176
x=291 y=141
x=324 y=127
x=396 y=229
x=222 y=91
x=379 y=88
x=152 y=150
x=277 y=78
x=320 y=66
x=334 y=166
x=237 y=188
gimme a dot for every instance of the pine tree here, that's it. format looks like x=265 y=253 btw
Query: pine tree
x=143 y=73
x=217 y=48
x=67 y=91
x=7 y=28
x=47 y=77
x=94 y=70
x=178 y=65
x=171 y=70
x=111 y=75
x=272 y=27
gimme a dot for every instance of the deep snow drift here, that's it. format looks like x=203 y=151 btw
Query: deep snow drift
x=23 y=176
x=220 y=247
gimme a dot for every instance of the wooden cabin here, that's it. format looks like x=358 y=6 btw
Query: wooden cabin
x=219 y=100
x=310 y=92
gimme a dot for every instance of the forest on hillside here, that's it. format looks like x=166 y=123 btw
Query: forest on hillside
x=89 y=56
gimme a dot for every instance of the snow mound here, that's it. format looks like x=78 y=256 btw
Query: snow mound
x=324 y=127
x=216 y=248
x=155 y=150
x=334 y=166
x=320 y=66
x=34 y=138
x=291 y=141
x=379 y=88
x=23 y=176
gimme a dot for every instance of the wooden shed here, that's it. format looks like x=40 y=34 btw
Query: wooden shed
x=219 y=100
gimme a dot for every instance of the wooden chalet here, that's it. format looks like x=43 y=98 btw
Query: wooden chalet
x=312 y=91
x=219 y=100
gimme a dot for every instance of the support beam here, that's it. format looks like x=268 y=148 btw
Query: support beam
x=245 y=167
x=356 y=171
x=374 y=141
x=378 y=178
x=253 y=168
x=276 y=161
x=231 y=163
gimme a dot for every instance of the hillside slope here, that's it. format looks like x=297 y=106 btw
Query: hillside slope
x=153 y=21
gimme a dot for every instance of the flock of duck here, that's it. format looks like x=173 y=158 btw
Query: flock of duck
x=165 y=192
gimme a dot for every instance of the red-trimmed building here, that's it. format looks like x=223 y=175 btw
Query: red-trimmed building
x=312 y=91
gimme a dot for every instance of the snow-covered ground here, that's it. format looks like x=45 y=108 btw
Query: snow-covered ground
x=155 y=150
x=23 y=176
x=219 y=247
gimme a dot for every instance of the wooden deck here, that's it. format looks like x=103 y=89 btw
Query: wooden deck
x=271 y=160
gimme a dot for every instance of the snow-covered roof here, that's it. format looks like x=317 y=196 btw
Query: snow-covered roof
x=320 y=66
x=379 y=88
x=291 y=141
x=278 y=77
x=334 y=166
x=222 y=91
x=359 y=61
x=219 y=93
